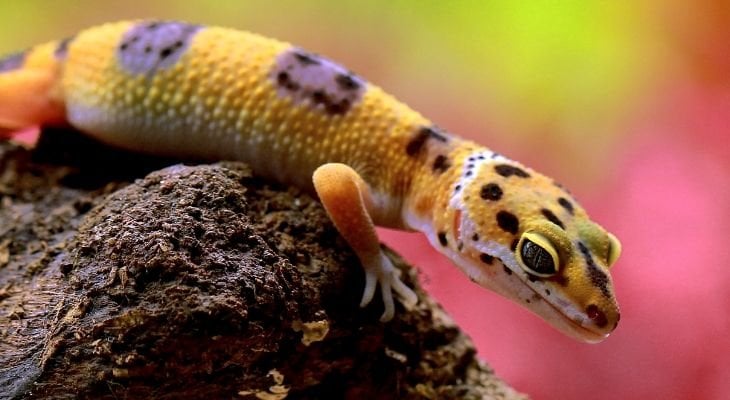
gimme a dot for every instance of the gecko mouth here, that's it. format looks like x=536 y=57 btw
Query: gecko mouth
x=567 y=324
x=545 y=309
x=583 y=332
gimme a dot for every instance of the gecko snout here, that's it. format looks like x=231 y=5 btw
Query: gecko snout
x=605 y=320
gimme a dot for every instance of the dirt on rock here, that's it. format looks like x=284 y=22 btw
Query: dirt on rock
x=124 y=276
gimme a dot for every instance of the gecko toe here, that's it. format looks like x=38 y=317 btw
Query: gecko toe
x=387 y=294
x=407 y=295
x=371 y=281
x=387 y=277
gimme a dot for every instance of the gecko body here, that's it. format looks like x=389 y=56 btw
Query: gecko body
x=184 y=90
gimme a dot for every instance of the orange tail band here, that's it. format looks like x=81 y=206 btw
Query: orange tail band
x=30 y=89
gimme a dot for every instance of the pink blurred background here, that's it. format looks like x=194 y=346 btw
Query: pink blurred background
x=626 y=104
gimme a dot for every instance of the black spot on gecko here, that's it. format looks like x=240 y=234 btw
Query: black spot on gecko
x=62 y=48
x=437 y=133
x=566 y=204
x=332 y=107
x=442 y=239
x=475 y=237
x=284 y=80
x=598 y=278
x=125 y=45
x=338 y=108
x=12 y=62
x=561 y=187
x=508 y=222
x=305 y=58
x=491 y=191
x=316 y=81
x=318 y=97
x=416 y=145
x=347 y=82
x=167 y=51
x=486 y=258
x=507 y=170
x=552 y=218
x=441 y=164
x=506 y=270
x=148 y=47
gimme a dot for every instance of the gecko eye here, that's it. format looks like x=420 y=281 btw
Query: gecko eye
x=614 y=249
x=537 y=256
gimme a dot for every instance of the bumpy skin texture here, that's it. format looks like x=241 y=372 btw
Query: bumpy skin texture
x=185 y=90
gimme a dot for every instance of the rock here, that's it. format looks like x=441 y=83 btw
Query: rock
x=198 y=282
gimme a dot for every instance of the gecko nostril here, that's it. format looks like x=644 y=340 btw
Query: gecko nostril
x=596 y=315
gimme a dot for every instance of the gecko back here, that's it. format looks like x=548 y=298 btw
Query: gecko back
x=185 y=90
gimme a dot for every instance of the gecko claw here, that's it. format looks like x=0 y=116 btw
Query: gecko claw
x=371 y=282
x=388 y=278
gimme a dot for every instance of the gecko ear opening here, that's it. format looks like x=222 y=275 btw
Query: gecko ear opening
x=537 y=255
x=614 y=249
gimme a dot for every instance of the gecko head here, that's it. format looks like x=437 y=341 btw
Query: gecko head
x=516 y=232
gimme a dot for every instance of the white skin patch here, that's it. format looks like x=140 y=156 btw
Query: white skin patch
x=316 y=80
x=473 y=164
x=152 y=46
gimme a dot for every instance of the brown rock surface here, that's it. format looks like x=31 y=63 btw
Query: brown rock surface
x=198 y=282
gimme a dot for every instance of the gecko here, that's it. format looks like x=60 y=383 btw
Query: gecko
x=178 y=89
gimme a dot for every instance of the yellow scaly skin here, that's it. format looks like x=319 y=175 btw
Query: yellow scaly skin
x=184 y=90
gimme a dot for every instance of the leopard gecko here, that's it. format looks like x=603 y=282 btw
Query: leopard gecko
x=185 y=90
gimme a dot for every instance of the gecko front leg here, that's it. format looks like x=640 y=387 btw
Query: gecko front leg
x=348 y=201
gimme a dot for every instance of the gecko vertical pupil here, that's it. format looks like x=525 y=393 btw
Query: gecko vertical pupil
x=536 y=258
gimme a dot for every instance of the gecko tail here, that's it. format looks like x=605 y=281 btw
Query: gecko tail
x=29 y=93
x=25 y=101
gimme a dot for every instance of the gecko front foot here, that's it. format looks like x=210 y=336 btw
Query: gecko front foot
x=349 y=203
x=388 y=277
